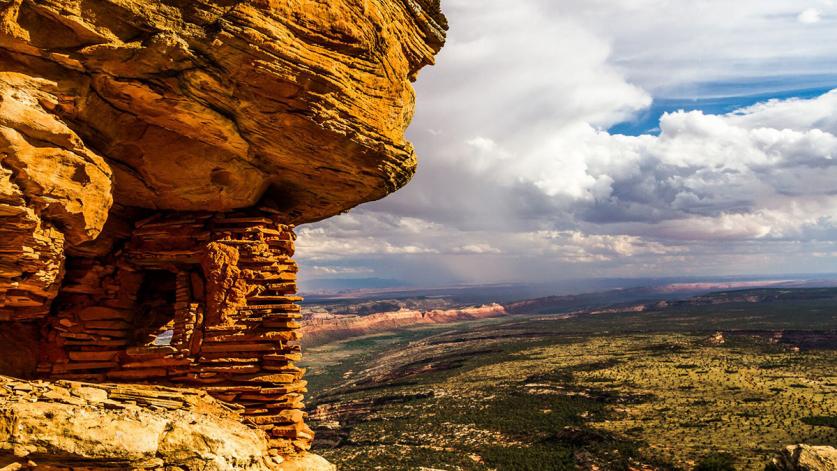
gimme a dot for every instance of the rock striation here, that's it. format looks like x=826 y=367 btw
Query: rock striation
x=319 y=329
x=154 y=159
x=204 y=105
x=197 y=299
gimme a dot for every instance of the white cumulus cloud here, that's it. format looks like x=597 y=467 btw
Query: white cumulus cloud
x=519 y=178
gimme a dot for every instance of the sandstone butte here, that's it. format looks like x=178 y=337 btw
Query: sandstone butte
x=154 y=159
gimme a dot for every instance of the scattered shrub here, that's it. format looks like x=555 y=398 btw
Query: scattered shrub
x=821 y=421
x=716 y=462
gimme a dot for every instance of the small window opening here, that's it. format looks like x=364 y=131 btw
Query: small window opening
x=163 y=339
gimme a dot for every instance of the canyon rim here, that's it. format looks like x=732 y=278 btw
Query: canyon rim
x=154 y=159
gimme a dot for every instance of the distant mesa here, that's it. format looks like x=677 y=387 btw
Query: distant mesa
x=319 y=329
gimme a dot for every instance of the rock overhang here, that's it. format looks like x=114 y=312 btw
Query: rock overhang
x=216 y=105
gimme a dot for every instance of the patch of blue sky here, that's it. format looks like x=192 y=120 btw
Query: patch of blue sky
x=723 y=98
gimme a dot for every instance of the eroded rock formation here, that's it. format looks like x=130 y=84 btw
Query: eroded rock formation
x=154 y=157
x=198 y=299
x=323 y=328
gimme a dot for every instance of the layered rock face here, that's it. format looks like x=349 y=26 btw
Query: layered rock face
x=323 y=328
x=203 y=300
x=195 y=105
x=154 y=157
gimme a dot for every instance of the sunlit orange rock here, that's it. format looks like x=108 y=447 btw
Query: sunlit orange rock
x=229 y=120
x=202 y=105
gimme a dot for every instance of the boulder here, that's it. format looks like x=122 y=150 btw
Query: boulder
x=806 y=458
x=70 y=424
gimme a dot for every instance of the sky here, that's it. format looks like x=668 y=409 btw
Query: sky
x=566 y=139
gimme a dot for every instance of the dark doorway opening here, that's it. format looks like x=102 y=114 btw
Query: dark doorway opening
x=154 y=320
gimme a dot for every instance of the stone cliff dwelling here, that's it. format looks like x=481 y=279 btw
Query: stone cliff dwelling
x=203 y=300
x=154 y=159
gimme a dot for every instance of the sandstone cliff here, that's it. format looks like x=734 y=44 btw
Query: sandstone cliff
x=154 y=157
x=201 y=105
x=320 y=329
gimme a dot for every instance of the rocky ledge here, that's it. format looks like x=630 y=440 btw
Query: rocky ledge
x=69 y=424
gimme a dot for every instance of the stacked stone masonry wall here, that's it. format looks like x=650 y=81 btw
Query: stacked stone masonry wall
x=222 y=317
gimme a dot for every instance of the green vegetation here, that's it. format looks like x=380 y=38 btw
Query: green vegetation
x=716 y=462
x=725 y=403
x=615 y=391
x=821 y=421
